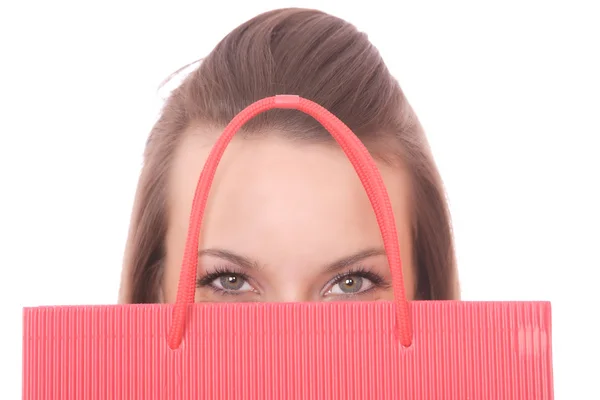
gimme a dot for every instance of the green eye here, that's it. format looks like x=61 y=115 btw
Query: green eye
x=227 y=282
x=351 y=284
x=232 y=282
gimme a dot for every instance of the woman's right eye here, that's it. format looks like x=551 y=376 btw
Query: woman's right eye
x=232 y=283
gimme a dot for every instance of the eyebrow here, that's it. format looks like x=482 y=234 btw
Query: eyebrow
x=247 y=263
x=233 y=258
x=353 y=259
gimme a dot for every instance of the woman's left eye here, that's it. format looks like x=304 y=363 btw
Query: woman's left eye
x=351 y=284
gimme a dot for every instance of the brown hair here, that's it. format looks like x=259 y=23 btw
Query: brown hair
x=318 y=57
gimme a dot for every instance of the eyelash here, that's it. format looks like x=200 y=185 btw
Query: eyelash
x=206 y=280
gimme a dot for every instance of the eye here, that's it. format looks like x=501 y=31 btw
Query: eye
x=351 y=284
x=232 y=283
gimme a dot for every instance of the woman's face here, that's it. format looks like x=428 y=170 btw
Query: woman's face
x=285 y=222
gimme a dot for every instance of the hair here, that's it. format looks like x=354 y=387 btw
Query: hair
x=321 y=58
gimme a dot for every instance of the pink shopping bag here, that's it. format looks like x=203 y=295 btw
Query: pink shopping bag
x=437 y=350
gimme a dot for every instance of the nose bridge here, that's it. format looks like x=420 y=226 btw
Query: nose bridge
x=290 y=284
x=290 y=293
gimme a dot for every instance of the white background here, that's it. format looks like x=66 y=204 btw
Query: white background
x=509 y=93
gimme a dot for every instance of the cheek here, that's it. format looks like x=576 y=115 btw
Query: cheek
x=408 y=268
x=384 y=295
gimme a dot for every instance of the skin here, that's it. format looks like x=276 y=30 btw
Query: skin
x=285 y=222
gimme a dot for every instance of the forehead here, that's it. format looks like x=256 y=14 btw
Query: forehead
x=274 y=193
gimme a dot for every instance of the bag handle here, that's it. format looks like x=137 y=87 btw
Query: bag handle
x=363 y=164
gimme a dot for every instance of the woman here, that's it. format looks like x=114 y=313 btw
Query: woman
x=287 y=218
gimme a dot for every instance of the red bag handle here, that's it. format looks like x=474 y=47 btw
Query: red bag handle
x=363 y=164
